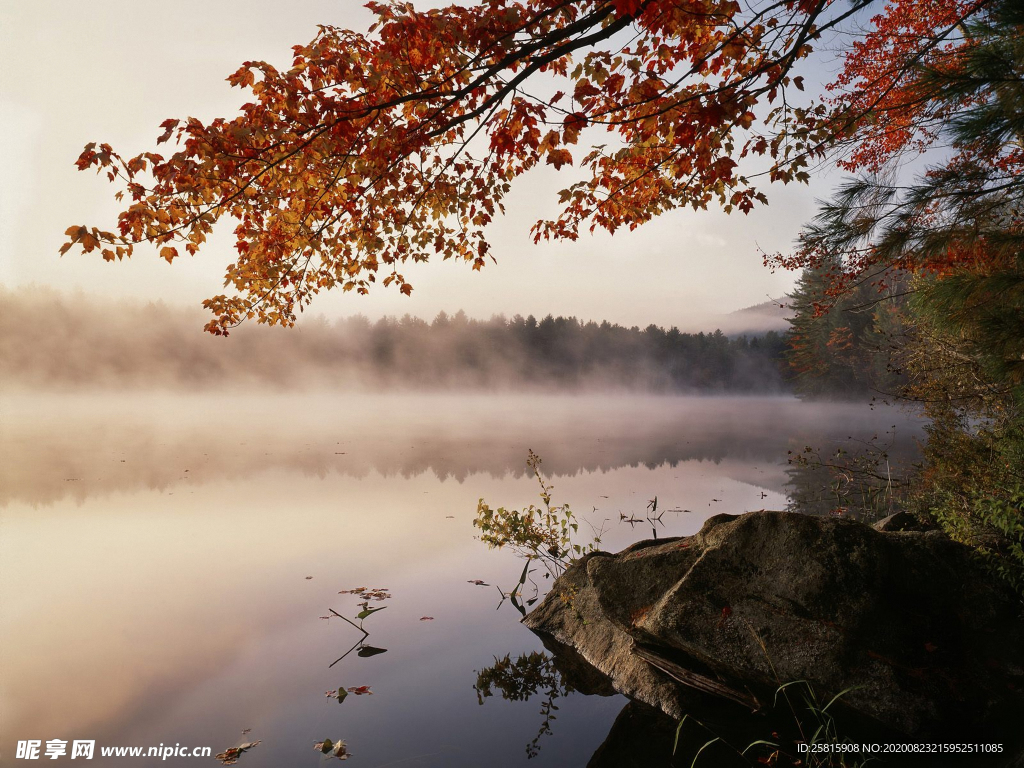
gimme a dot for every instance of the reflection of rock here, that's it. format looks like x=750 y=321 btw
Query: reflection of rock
x=644 y=737
x=577 y=674
x=641 y=737
x=936 y=648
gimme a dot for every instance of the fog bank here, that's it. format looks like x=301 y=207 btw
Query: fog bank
x=56 y=342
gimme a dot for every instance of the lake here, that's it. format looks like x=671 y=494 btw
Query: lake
x=167 y=560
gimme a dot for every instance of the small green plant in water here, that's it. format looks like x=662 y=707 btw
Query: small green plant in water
x=377 y=594
x=545 y=534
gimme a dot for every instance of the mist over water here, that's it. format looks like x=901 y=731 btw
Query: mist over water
x=179 y=512
x=77 y=447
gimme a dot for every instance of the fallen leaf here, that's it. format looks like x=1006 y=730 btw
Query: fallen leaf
x=478 y=582
x=426 y=618
x=360 y=690
x=336 y=749
x=340 y=751
x=230 y=756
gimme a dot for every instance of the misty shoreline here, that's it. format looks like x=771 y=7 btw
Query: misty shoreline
x=57 y=342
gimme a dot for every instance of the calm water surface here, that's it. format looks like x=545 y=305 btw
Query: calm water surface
x=156 y=553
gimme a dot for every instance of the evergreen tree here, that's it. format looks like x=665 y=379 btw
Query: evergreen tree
x=959 y=230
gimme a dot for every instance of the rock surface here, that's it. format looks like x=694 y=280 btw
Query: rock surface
x=933 y=647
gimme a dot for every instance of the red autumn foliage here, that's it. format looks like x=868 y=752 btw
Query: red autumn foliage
x=373 y=150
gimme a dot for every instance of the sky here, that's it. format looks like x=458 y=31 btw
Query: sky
x=112 y=70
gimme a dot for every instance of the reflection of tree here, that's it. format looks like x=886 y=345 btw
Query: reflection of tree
x=83 y=452
x=863 y=479
x=531 y=674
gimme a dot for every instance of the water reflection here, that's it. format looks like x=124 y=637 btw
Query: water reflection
x=82 y=447
x=640 y=736
x=714 y=732
x=864 y=478
x=529 y=675
x=157 y=555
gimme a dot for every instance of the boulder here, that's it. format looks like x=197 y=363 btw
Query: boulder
x=907 y=625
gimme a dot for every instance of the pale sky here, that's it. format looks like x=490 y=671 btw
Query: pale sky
x=112 y=70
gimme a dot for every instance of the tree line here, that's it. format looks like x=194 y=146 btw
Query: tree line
x=561 y=352
x=49 y=340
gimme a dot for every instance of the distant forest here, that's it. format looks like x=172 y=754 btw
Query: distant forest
x=51 y=340
x=563 y=351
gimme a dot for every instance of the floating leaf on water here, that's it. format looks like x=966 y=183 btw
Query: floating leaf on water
x=360 y=690
x=230 y=756
x=340 y=751
x=336 y=749
x=367 y=611
x=308 y=578
x=478 y=582
x=426 y=618
x=368 y=650
x=371 y=593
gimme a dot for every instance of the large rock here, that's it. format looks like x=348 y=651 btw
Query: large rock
x=930 y=644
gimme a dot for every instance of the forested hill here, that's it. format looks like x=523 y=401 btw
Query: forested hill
x=48 y=340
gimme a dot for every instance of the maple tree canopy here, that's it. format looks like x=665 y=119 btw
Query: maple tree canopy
x=400 y=144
